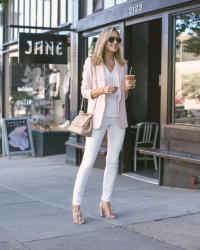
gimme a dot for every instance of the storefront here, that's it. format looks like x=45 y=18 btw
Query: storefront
x=161 y=41
x=38 y=89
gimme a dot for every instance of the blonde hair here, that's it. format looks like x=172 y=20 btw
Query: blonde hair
x=97 y=56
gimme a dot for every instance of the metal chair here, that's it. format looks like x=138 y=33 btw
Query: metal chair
x=146 y=136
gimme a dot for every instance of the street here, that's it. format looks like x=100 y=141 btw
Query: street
x=35 y=211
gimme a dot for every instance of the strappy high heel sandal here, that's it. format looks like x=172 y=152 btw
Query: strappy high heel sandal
x=77 y=216
x=106 y=210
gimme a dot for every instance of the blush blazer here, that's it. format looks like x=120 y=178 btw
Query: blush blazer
x=94 y=77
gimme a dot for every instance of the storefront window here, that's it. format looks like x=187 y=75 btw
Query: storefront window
x=21 y=14
x=10 y=19
x=63 y=11
x=33 y=15
x=187 y=68
x=27 y=15
x=91 y=44
x=120 y=1
x=89 y=7
x=98 y=5
x=39 y=13
x=47 y=13
x=108 y=4
x=69 y=11
x=38 y=91
x=16 y=14
x=54 y=13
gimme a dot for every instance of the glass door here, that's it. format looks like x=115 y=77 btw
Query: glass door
x=143 y=52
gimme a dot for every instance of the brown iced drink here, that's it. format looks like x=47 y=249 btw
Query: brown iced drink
x=129 y=81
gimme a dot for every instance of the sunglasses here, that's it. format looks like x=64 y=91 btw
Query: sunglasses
x=112 y=39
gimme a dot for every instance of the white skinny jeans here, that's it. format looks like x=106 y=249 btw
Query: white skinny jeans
x=115 y=140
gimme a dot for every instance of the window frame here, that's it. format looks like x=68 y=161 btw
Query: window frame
x=172 y=72
x=83 y=7
x=20 y=17
x=95 y=10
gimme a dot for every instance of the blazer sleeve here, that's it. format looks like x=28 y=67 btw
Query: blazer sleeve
x=87 y=80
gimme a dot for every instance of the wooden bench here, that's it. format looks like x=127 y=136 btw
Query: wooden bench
x=171 y=155
x=80 y=145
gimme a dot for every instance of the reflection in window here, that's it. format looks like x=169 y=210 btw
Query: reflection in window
x=10 y=19
x=54 y=13
x=15 y=21
x=21 y=14
x=39 y=14
x=89 y=7
x=69 y=9
x=38 y=91
x=33 y=15
x=47 y=13
x=63 y=11
x=27 y=14
x=187 y=68
x=120 y=1
x=108 y=4
x=98 y=5
x=91 y=44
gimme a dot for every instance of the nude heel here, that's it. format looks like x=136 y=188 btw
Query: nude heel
x=101 y=210
x=106 y=211
x=77 y=216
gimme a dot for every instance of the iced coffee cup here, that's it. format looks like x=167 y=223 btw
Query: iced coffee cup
x=130 y=81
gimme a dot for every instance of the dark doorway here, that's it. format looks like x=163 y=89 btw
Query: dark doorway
x=143 y=52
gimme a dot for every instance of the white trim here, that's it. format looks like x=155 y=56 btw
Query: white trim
x=141 y=178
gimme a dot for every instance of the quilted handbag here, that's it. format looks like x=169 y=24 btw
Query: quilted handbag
x=81 y=124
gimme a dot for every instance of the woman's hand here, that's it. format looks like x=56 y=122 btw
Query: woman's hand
x=130 y=84
x=110 y=89
x=106 y=90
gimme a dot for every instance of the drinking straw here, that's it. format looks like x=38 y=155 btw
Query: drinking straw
x=130 y=70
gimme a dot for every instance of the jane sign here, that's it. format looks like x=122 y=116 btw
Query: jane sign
x=43 y=48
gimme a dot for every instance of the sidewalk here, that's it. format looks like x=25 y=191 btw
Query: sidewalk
x=35 y=203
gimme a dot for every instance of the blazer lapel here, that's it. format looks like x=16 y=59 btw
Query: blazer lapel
x=119 y=83
x=100 y=75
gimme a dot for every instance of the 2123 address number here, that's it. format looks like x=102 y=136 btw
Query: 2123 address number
x=135 y=9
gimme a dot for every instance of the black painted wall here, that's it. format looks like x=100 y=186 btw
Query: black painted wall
x=143 y=51
x=154 y=70
x=137 y=55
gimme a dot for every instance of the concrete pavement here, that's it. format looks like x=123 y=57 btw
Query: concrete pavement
x=35 y=203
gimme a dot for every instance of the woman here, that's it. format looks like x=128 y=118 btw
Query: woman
x=103 y=86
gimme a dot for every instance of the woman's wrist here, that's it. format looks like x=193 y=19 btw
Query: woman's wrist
x=93 y=95
x=97 y=92
x=101 y=91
